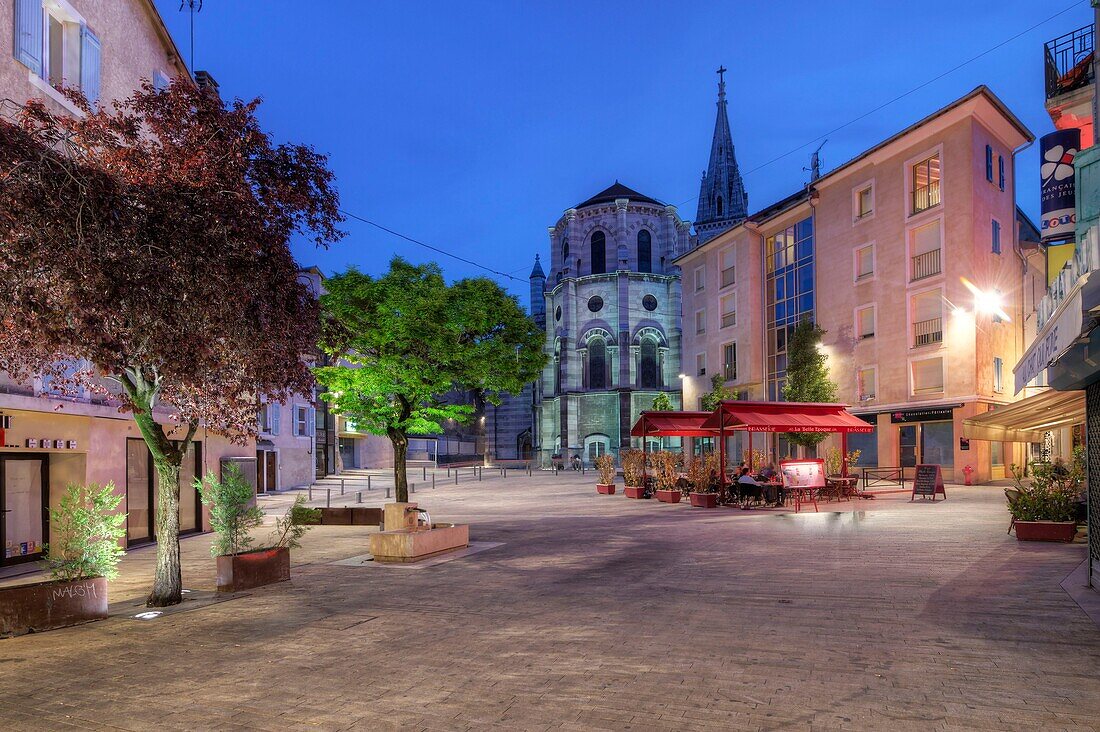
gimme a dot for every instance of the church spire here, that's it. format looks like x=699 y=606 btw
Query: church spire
x=722 y=198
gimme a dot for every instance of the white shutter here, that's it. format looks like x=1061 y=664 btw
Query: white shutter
x=28 y=34
x=89 y=65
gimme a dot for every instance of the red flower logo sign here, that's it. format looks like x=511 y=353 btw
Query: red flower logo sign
x=1057 y=164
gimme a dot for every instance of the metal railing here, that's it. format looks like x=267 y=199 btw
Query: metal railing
x=924 y=265
x=1067 y=61
x=925 y=197
x=875 y=477
x=1086 y=258
x=926 y=332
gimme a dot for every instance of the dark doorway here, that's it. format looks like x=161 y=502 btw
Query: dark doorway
x=907 y=443
x=142 y=490
x=24 y=507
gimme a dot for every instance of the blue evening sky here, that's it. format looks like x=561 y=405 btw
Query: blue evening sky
x=473 y=125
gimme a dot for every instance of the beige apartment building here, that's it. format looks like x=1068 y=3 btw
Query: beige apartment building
x=908 y=257
x=49 y=440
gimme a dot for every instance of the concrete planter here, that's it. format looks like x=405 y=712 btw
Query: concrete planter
x=605 y=489
x=1045 y=530
x=704 y=500
x=253 y=569
x=49 y=605
x=672 y=496
x=634 y=491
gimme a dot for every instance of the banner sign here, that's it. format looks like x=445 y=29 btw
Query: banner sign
x=1058 y=191
x=1056 y=336
x=933 y=414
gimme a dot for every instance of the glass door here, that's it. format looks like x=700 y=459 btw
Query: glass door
x=24 y=502
x=907 y=442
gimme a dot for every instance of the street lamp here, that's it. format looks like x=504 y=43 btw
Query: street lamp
x=989 y=302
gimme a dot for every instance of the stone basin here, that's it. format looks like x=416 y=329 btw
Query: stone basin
x=411 y=543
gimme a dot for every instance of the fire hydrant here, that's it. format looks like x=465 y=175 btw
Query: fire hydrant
x=967 y=471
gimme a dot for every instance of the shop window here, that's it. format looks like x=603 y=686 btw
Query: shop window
x=938 y=443
x=867 y=444
x=997 y=454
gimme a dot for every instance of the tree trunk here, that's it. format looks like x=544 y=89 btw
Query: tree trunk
x=168 y=579
x=400 y=471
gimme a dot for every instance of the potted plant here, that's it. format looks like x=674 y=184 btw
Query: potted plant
x=1044 y=508
x=703 y=476
x=233 y=515
x=88 y=546
x=634 y=474
x=666 y=473
x=605 y=464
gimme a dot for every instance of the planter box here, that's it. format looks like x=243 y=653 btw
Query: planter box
x=253 y=569
x=672 y=496
x=351 y=516
x=48 y=605
x=605 y=489
x=1045 y=530
x=336 y=516
x=634 y=491
x=704 y=500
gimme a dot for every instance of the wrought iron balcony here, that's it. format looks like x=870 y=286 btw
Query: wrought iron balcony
x=925 y=197
x=927 y=332
x=1068 y=61
x=925 y=265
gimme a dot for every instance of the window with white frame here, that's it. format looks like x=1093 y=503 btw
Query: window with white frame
x=701 y=364
x=864 y=202
x=56 y=44
x=865 y=383
x=268 y=418
x=303 y=420
x=865 y=321
x=865 y=261
x=700 y=322
x=700 y=278
x=729 y=362
x=998 y=374
x=729 y=310
x=927 y=376
x=729 y=266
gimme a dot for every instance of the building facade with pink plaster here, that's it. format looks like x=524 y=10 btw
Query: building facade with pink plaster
x=50 y=440
x=908 y=256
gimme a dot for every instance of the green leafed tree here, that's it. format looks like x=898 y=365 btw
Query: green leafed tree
x=402 y=341
x=807 y=375
x=662 y=403
x=718 y=393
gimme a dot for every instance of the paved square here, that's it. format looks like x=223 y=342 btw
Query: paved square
x=600 y=612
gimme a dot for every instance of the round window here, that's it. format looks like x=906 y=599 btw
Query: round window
x=557 y=313
x=649 y=303
x=595 y=303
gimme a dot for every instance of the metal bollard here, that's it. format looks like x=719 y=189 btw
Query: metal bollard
x=456 y=477
x=359 y=497
x=505 y=472
x=311 y=491
x=387 y=491
x=412 y=487
x=479 y=475
x=328 y=498
x=369 y=488
x=341 y=486
x=424 y=472
x=433 y=481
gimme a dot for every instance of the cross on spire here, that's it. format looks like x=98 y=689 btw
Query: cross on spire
x=722 y=70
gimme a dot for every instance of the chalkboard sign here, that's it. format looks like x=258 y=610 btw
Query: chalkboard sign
x=928 y=482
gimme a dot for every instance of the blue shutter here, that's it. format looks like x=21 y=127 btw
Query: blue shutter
x=989 y=163
x=1001 y=171
x=28 y=34
x=312 y=425
x=275 y=419
x=89 y=65
x=160 y=81
x=996 y=237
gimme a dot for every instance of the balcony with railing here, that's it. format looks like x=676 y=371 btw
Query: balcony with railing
x=1068 y=62
x=926 y=196
x=927 y=332
x=924 y=265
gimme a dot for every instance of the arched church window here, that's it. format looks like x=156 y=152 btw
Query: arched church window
x=599 y=252
x=645 y=251
x=564 y=250
x=557 y=368
x=597 y=363
x=719 y=205
x=647 y=372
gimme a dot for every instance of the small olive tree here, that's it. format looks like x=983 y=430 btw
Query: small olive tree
x=89 y=531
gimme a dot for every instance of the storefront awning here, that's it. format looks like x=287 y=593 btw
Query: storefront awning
x=672 y=424
x=1028 y=419
x=786 y=417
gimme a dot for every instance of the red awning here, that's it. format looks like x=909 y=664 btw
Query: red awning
x=785 y=417
x=673 y=424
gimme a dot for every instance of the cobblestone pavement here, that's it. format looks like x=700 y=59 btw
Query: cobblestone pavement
x=600 y=612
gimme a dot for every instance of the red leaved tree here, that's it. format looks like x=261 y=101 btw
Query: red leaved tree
x=149 y=239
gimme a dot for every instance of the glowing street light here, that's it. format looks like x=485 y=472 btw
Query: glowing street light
x=989 y=302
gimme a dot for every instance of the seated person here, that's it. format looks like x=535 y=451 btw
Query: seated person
x=748 y=488
x=768 y=473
